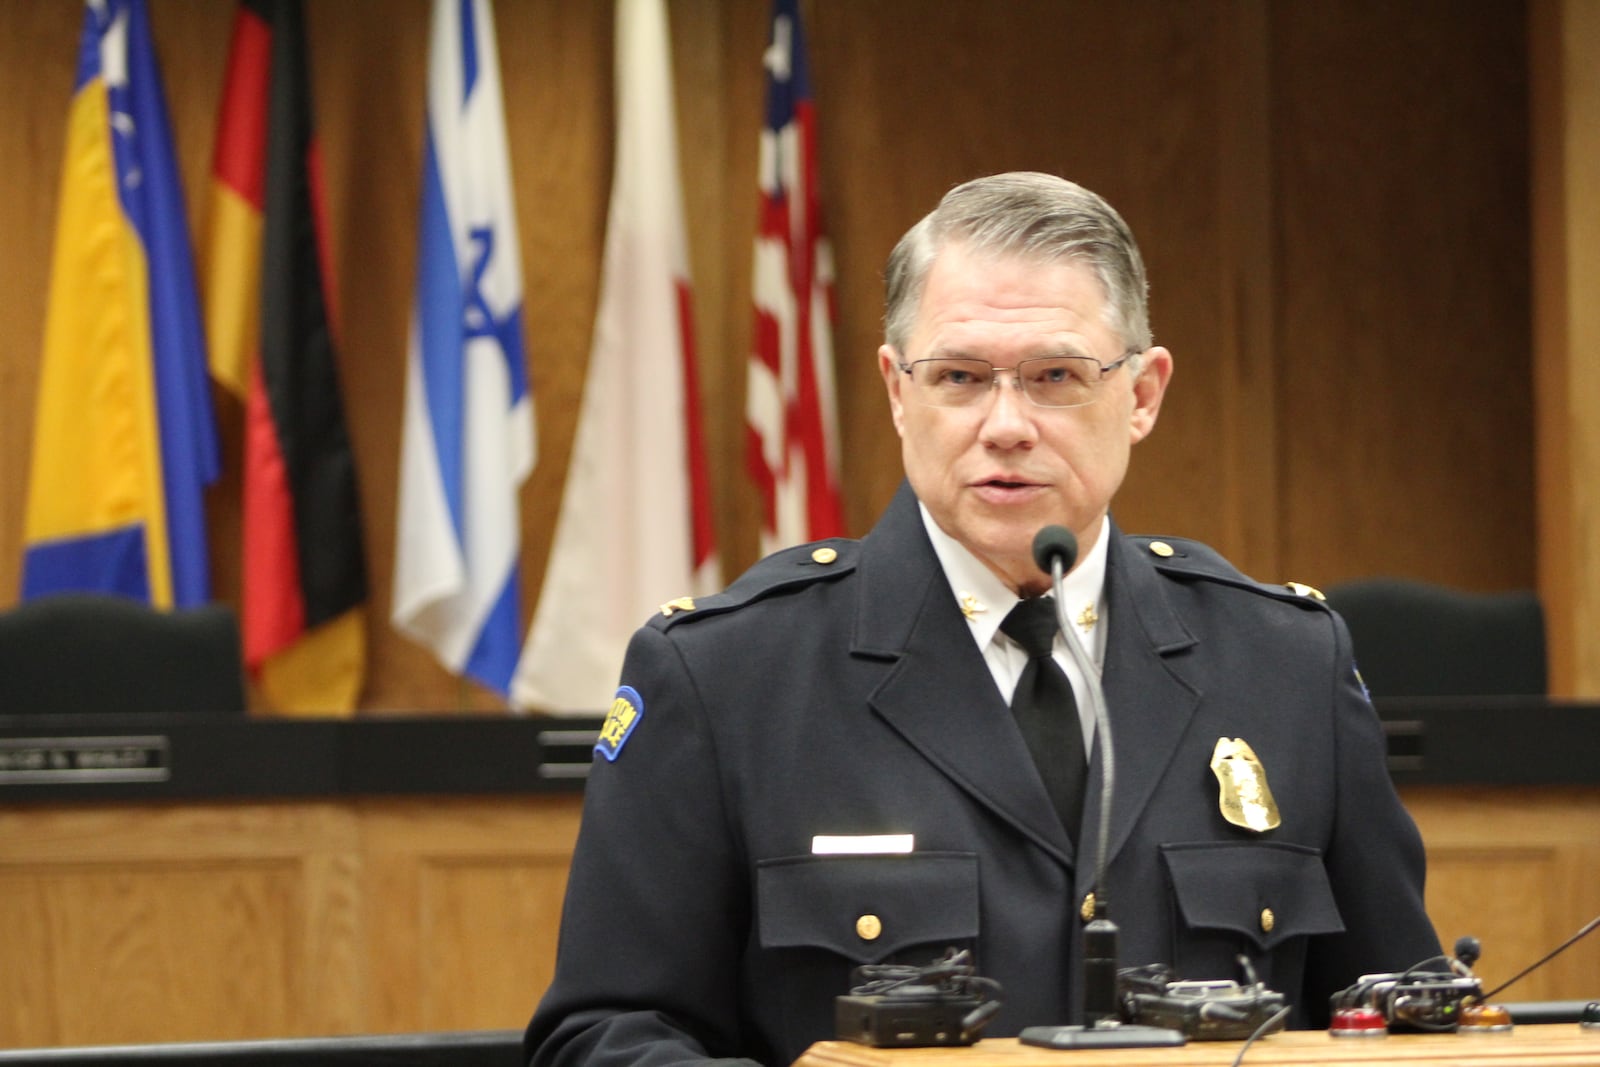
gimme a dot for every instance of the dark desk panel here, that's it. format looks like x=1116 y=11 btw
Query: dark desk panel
x=108 y=757
x=1500 y=741
x=1491 y=741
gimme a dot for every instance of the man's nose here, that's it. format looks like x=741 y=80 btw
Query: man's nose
x=1009 y=416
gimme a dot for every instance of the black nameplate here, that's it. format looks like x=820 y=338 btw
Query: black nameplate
x=36 y=760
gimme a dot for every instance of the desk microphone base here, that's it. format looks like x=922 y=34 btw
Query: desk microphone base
x=1066 y=1037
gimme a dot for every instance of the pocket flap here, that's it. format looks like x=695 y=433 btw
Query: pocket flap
x=1266 y=892
x=867 y=908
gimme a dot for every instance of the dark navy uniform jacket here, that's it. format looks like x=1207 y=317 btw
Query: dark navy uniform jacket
x=848 y=697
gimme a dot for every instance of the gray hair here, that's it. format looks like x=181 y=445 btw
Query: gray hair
x=1028 y=215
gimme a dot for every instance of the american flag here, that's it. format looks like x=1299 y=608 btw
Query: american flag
x=792 y=432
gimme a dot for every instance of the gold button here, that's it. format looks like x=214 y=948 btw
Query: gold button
x=869 y=927
x=824 y=555
x=1161 y=548
x=1086 y=912
x=1268 y=920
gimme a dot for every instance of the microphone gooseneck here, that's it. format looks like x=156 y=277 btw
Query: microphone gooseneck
x=1055 y=550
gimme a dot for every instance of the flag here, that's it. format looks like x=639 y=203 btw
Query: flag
x=635 y=527
x=125 y=438
x=272 y=347
x=791 y=425
x=468 y=441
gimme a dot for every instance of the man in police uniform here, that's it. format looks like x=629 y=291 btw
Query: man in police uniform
x=817 y=769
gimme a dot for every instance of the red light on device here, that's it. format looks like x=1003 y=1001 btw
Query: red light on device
x=1358 y=1022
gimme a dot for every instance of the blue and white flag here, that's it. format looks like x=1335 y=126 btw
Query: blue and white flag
x=469 y=426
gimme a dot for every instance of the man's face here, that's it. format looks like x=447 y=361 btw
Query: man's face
x=992 y=474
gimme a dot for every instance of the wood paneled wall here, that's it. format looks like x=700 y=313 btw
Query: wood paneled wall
x=136 y=923
x=131 y=924
x=1332 y=199
x=1565 y=38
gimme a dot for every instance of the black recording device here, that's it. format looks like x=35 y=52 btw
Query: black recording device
x=895 y=1006
x=1428 y=997
x=1438 y=994
x=1217 y=1010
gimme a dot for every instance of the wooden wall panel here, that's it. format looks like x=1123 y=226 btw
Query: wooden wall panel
x=164 y=923
x=128 y=943
x=1520 y=870
x=1566 y=269
x=968 y=89
x=1406 y=401
x=217 y=920
x=1331 y=200
x=464 y=901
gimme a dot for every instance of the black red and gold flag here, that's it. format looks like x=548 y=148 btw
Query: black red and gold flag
x=269 y=323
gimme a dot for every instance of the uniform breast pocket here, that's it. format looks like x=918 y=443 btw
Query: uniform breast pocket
x=869 y=909
x=1262 y=900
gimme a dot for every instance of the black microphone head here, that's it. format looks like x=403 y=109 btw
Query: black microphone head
x=1468 y=949
x=1055 y=542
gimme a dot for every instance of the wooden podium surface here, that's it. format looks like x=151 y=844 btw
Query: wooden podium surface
x=1551 y=1045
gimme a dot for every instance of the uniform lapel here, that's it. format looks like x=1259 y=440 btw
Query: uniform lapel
x=937 y=691
x=1150 y=691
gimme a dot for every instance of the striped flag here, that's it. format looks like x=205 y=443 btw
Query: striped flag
x=792 y=431
x=124 y=439
x=635 y=527
x=469 y=429
x=272 y=347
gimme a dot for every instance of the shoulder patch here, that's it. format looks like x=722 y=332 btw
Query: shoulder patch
x=627 y=709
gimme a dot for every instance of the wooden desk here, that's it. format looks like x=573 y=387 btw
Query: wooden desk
x=1526 y=1046
x=295 y=878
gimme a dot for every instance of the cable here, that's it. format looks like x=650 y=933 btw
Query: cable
x=1276 y=1017
x=1588 y=927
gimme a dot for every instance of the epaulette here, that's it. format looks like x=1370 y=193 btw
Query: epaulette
x=786 y=569
x=1180 y=557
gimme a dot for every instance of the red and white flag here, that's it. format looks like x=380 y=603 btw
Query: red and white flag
x=791 y=424
x=635 y=528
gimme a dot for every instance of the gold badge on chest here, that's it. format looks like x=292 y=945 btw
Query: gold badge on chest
x=1244 y=798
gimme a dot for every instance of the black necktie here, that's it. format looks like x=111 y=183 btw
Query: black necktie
x=1046 y=711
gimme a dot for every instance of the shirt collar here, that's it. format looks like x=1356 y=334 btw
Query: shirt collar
x=985 y=600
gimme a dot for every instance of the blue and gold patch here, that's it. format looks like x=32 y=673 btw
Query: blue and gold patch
x=627 y=708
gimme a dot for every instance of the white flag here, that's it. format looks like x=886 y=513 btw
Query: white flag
x=635 y=527
x=469 y=436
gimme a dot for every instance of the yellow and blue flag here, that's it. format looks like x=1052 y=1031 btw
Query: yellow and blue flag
x=125 y=436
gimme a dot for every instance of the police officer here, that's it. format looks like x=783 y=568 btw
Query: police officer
x=817 y=768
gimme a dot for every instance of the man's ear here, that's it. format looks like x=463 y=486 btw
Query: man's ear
x=889 y=367
x=1148 y=390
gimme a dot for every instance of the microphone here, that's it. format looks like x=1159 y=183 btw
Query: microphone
x=1055 y=550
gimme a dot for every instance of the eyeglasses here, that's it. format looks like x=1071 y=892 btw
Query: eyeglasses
x=1048 y=382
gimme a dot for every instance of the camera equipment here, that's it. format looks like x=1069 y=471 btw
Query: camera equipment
x=893 y=1006
x=1414 y=999
x=1201 y=1010
x=1411 y=1000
